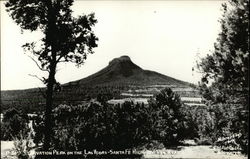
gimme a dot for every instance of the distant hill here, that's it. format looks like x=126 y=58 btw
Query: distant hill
x=120 y=74
x=123 y=71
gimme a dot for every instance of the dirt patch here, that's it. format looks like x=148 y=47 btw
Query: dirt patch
x=207 y=152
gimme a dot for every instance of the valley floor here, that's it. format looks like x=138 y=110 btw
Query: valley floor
x=193 y=151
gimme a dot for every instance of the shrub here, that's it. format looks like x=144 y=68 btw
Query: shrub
x=219 y=124
x=13 y=123
x=100 y=126
x=134 y=125
x=39 y=128
x=22 y=146
x=153 y=145
x=169 y=121
x=88 y=126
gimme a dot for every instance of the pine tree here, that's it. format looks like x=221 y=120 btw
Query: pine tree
x=66 y=39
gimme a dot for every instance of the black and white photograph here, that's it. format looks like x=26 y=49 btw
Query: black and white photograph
x=124 y=79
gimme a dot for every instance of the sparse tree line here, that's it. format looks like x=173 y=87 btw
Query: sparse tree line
x=34 y=101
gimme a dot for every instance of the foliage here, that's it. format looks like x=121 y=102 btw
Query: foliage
x=22 y=146
x=70 y=38
x=14 y=123
x=39 y=129
x=228 y=65
x=169 y=121
x=226 y=73
x=101 y=126
x=208 y=124
x=85 y=126
x=66 y=39
x=134 y=125
x=103 y=98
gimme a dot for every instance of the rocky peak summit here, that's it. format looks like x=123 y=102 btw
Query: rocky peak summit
x=120 y=59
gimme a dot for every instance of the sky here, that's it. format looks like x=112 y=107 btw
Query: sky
x=163 y=36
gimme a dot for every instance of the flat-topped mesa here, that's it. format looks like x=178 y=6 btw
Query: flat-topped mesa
x=120 y=59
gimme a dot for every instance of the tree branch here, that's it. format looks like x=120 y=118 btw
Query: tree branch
x=58 y=60
x=42 y=69
x=40 y=90
x=36 y=77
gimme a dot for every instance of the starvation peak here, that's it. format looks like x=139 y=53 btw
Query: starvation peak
x=120 y=59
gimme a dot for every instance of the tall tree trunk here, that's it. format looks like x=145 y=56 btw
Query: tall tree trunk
x=51 y=39
x=48 y=110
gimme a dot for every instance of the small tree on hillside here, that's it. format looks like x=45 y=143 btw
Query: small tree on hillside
x=66 y=39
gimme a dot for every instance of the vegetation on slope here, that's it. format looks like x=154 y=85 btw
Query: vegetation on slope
x=120 y=75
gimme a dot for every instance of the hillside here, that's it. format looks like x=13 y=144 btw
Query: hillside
x=119 y=76
x=123 y=71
